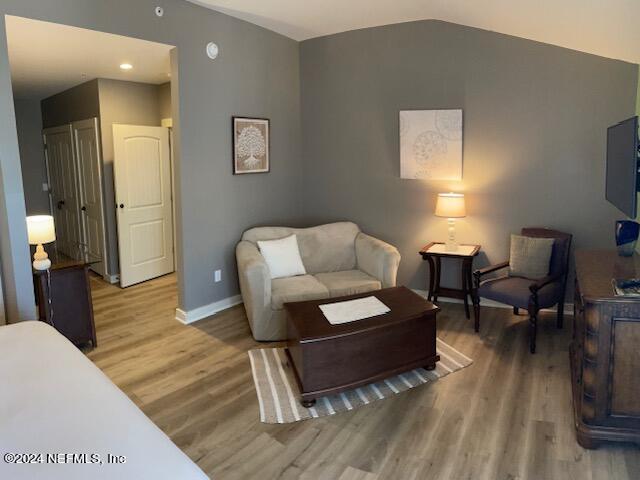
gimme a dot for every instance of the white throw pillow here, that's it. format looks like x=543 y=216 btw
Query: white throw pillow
x=282 y=257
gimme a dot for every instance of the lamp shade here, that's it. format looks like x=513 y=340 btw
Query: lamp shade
x=450 y=205
x=40 y=229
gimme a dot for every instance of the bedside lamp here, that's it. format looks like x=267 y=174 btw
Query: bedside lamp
x=40 y=229
x=451 y=206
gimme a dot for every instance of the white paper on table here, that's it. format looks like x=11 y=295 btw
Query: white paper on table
x=352 y=310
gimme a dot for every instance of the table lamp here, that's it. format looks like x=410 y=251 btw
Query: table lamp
x=40 y=229
x=451 y=206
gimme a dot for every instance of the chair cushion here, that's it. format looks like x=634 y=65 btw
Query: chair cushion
x=348 y=282
x=530 y=257
x=515 y=291
x=296 y=289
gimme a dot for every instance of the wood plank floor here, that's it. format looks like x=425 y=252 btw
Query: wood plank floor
x=508 y=416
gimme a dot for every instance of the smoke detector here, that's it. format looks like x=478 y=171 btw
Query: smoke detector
x=212 y=50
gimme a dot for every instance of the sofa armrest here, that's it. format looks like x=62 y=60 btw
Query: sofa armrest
x=378 y=259
x=255 y=281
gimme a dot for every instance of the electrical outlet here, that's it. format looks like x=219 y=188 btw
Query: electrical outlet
x=217 y=276
x=45 y=187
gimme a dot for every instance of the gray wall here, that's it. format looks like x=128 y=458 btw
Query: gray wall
x=14 y=248
x=32 y=159
x=257 y=73
x=535 y=119
x=164 y=97
x=77 y=103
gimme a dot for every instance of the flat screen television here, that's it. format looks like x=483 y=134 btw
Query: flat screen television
x=622 y=166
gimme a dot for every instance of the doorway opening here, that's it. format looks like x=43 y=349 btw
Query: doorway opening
x=94 y=120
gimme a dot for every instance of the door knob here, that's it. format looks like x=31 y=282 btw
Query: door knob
x=83 y=208
x=60 y=204
x=122 y=205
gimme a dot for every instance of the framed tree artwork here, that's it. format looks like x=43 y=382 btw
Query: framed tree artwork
x=250 y=145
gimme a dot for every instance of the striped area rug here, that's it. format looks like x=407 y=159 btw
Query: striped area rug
x=278 y=394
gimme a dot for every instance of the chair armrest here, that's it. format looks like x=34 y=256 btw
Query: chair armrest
x=538 y=284
x=490 y=269
x=378 y=259
x=255 y=280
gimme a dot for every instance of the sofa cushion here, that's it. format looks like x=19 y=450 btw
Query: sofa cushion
x=348 y=282
x=296 y=289
x=325 y=248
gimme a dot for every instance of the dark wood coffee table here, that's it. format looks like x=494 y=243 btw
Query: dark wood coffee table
x=328 y=359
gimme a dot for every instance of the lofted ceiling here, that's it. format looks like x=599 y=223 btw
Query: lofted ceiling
x=604 y=27
x=75 y=55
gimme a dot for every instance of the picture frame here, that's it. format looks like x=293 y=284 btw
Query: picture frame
x=251 y=145
x=431 y=144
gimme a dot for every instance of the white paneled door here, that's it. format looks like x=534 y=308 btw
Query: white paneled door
x=142 y=172
x=88 y=151
x=64 y=190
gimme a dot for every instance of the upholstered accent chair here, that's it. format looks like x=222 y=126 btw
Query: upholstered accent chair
x=524 y=293
x=339 y=260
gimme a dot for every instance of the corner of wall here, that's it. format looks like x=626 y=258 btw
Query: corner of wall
x=637 y=219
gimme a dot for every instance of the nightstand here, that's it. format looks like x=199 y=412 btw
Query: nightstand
x=433 y=253
x=70 y=309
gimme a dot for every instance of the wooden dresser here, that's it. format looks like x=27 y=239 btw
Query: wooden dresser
x=605 y=350
x=63 y=295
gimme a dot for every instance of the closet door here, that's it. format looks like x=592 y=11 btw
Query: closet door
x=64 y=190
x=89 y=161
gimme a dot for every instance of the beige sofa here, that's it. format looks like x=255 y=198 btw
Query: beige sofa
x=339 y=260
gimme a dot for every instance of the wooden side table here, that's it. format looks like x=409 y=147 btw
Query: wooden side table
x=70 y=311
x=433 y=253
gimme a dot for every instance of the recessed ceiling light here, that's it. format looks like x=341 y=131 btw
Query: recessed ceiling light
x=126 y=66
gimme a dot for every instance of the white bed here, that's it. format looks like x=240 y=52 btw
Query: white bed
x=54 y=400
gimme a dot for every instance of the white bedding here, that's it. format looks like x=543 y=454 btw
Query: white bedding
x=54 y=400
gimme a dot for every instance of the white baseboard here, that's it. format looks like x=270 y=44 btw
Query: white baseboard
x=568 y=307
x=112 y=279
x=190 y=316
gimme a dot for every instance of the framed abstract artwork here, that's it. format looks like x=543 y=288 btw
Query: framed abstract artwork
x=250 y=145
x=431 y=144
